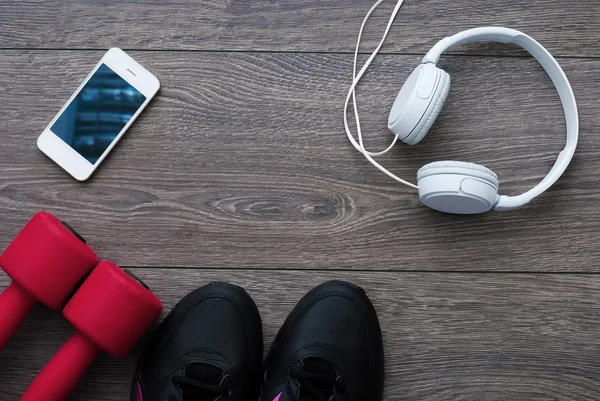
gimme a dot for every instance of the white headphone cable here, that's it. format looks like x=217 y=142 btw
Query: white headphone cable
x=351 y=93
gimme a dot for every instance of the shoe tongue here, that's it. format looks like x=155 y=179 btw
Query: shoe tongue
x=202 y=373
x=320 y=366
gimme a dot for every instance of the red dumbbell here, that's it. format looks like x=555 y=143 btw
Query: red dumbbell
x=46 y=260
x=111 y=312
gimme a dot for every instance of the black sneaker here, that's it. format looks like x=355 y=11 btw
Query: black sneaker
x=210 y=347
x=329 y=348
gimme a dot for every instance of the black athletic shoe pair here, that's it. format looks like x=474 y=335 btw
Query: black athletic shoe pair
x=210 y=347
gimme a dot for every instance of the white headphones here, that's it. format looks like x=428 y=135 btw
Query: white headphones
x=452 y=186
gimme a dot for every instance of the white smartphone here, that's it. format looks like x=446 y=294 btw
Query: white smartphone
x=98 y=114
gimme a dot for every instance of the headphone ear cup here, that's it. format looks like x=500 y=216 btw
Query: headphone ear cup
x=418 y=103
x=432 y=112
x=457 y=187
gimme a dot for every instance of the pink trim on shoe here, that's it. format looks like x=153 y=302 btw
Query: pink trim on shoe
x=278 y=397
x=138 y=394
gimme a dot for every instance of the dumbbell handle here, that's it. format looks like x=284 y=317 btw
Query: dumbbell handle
x=15 y=304
x=61 y=375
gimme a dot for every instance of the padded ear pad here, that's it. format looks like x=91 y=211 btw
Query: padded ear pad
x=453 y=166
x=418 y=103
x=457 y=187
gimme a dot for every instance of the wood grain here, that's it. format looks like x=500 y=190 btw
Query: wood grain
x=240 y=171
x=447 y=336
x=300 y=25
x=242 y=161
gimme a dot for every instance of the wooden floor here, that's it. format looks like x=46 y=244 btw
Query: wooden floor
x=240 y=171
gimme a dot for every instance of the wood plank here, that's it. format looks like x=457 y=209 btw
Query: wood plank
x=242 y=161
x=301 y=25
x=447 y=336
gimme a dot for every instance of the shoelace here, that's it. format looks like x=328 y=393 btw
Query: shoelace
x=317 y=387
x=193 y=387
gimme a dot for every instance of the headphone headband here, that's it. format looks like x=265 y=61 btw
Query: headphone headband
x=558 y=77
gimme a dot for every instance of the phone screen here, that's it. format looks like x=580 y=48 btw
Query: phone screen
x=98 y=113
